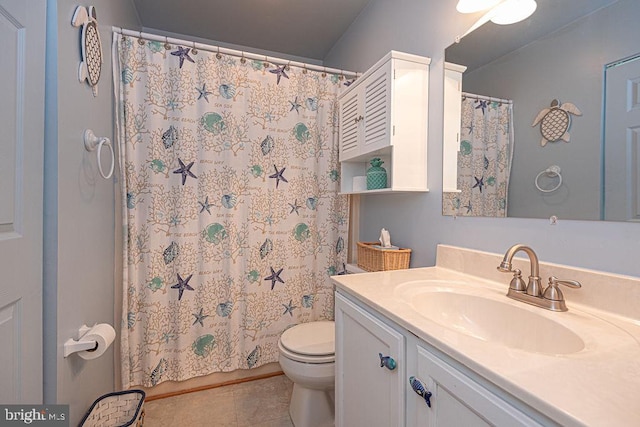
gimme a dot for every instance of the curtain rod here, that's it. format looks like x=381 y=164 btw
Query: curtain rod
x=486 y=98
x=233 y=52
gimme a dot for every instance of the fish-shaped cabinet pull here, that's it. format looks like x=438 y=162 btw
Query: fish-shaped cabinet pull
x=418 y=386
x=387 y=362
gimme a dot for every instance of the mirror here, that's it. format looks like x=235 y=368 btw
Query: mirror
x=565 y=51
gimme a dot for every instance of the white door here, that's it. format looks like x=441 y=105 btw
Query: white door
x=22 y=35
x=622 y=140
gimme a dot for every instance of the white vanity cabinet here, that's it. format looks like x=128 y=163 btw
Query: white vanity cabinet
x=370 y=395
x=367 y=394
x=384 y=114
x=459 y=400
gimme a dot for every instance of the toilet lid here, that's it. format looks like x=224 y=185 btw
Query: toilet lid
x=312 y=338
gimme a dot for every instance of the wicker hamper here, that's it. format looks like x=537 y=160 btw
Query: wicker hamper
x=375 y=259
x=119 y=409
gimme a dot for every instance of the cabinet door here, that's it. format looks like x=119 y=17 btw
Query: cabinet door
x=350 y=124
x=367 y=394
x=459 y=401
x=377 y=109
x=452 y=115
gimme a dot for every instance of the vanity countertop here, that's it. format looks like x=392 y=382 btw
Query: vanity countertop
x=596 y=386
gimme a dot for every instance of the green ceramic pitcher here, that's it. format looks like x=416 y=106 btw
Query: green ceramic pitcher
x=376 y=175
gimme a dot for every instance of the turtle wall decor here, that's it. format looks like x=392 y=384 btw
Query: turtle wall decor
x=91 y=46
x=555 y=121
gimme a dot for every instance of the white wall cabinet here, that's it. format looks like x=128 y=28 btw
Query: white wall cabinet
x=370 y=395
x=452 y=119
x=384 y=114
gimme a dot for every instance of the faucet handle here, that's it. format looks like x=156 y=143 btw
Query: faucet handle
x=517 y=284
x=554 y=293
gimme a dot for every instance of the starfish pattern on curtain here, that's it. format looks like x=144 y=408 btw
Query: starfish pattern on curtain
x=232 y=220
x=484 y=160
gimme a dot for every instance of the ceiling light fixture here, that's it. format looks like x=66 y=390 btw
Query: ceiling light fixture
x=512 y=11
x=502 y=12
x=472 y=6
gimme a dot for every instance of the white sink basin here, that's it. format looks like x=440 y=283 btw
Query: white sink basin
x=491 y=318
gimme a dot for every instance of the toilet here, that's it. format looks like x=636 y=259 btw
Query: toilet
x=307 y=358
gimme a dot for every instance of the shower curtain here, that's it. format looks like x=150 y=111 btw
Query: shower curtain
x=232 y=221
x=484 y=159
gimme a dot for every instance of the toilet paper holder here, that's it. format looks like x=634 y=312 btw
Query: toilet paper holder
x=73 y=346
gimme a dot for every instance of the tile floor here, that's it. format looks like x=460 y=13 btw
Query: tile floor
x=259 y=403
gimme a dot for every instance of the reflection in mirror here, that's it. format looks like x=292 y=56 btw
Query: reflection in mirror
x=540 y=134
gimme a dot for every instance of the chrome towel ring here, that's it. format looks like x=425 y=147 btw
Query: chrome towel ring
x=552 y=171
x=93 y=143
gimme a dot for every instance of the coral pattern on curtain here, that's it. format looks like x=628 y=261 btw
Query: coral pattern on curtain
x=232 y=221
x=484 y=159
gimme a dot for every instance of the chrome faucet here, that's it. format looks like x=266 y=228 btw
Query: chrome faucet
x=533 y=287
x=532 y=293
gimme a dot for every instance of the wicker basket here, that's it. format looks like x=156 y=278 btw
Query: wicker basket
x=374 y=259
x=119 y=409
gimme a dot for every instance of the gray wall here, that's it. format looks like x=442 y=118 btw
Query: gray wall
x=79 y=207
x=567 y=65
x=415 y=220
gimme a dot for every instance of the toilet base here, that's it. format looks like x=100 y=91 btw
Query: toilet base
x=311 y=407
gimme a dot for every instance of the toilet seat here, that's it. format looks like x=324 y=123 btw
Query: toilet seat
x=312 y=342
x=305 y=358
